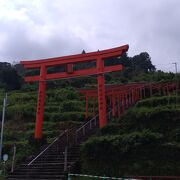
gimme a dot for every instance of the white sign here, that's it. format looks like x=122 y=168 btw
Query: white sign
x=5 y=157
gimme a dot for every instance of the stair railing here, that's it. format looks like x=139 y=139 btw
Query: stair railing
x=71 y=137
x=46 y=149
x=86 y=129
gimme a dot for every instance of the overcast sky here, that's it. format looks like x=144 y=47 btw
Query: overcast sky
x=34 y=29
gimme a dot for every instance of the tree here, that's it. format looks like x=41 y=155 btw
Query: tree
x=83 y=52
x=142 y=63
x=9 y=78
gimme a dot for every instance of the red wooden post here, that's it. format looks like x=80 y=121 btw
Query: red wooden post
x=94 y=106
x=144 y=92
x=168 y=89
x=101 y=94
x=113 y=105
x=119 y=106
x=125 y=96
x=132 y=96
x=69 y=68
x=135 y=94
x=40 y=103
x=138 y=93
x=127 y=101
x=110 y=101
x=150 y=89
x=86 y=114
x=122 y=103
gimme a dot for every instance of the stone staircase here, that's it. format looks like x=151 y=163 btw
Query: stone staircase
x=59 y=157
x=52 y=167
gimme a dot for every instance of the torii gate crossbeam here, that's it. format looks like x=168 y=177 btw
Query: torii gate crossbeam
x=69 y=62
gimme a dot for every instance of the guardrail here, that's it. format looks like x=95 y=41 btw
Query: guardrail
x=70 y=177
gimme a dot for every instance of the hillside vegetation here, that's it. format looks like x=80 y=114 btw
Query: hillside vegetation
x=64 y=109
x=144 y=141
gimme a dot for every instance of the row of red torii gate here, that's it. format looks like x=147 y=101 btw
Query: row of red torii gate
x=121 y=97
x=118 y=97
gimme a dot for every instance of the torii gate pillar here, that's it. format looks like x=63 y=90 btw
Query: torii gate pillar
x=101 y=94
x=40 y=103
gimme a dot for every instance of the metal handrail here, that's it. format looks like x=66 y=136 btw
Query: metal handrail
x=94 y=118
x=71 y=136
x=42 y=152
x=87 y=128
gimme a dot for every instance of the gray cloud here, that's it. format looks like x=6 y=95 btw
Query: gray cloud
x=21 y=45
x=39 y=29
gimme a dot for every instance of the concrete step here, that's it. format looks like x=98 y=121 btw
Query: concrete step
x=43 y=168
x=28 y=173
x=50 y=165
x=63 y=178
x=42 y=165
x=59 y=155
x=36 y=176
x=48 y=159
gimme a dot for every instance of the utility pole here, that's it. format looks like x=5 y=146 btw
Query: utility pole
x=2 y=124
x=175 y=64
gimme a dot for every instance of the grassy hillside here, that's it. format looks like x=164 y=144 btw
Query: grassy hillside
x=145 y=141
x=63 y=109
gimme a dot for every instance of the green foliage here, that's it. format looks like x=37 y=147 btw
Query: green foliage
x=26 y=112
x=142 y=63
x=9 y=78
x=72 y=105
x=64 y=116
x=159 y=101
x=63 y=109
x=159 y=119
x=127 y=154
x=37 y=143
x=137 y=69
x=111 y=129
x=146 y=141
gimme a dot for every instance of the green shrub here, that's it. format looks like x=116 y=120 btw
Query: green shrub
x=72 y=105
x=160 y=119
x=67 y=116
x=37 y=143
x=116 y=155
x=159 y=101
x=23 y=111
x=110 y=129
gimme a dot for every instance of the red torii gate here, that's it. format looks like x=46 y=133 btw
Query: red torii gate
x=68 y=62
x=126 y=94
x=122 y=96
